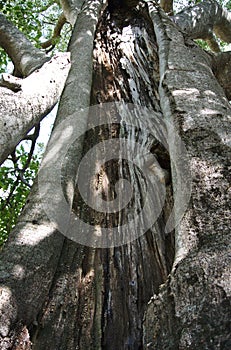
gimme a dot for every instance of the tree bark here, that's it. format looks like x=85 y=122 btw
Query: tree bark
x=191 y=309
x=222 y=68
x=72 y=296
x=23 y=107
x=71 y=9
x=204 y=20
x=26 y=58
x=106 y=290
x=33 y=250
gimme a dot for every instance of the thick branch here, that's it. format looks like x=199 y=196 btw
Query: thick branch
x=25 y=56
x=203 y=20
x=71 y=9
x=36 y=96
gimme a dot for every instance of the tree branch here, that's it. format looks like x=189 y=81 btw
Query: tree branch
x=47 y=6
x=11 y=82
x=35 y=241
x=203 y=20
x=56 y=34
x=19 y=172
x=222 y=70
x=25 y=56
x=38 y=94
x=71 y=9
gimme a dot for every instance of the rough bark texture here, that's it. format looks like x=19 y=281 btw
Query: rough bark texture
x=61 y=295
x=99 y=296
x=191 y=310
x=222 y=70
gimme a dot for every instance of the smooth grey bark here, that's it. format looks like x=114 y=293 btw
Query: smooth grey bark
x=77 y=92
x=71 y=9
x=26 y=58
x=204 y=20
x=29 y=259
x=22 y=107
x=191 y=310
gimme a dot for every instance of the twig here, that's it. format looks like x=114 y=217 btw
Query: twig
x=56 y=34
x=33 y=137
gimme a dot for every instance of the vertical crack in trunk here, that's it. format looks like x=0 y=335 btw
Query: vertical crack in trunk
x=99 y=296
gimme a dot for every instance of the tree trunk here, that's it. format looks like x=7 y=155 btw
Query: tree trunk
x=60 y=294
